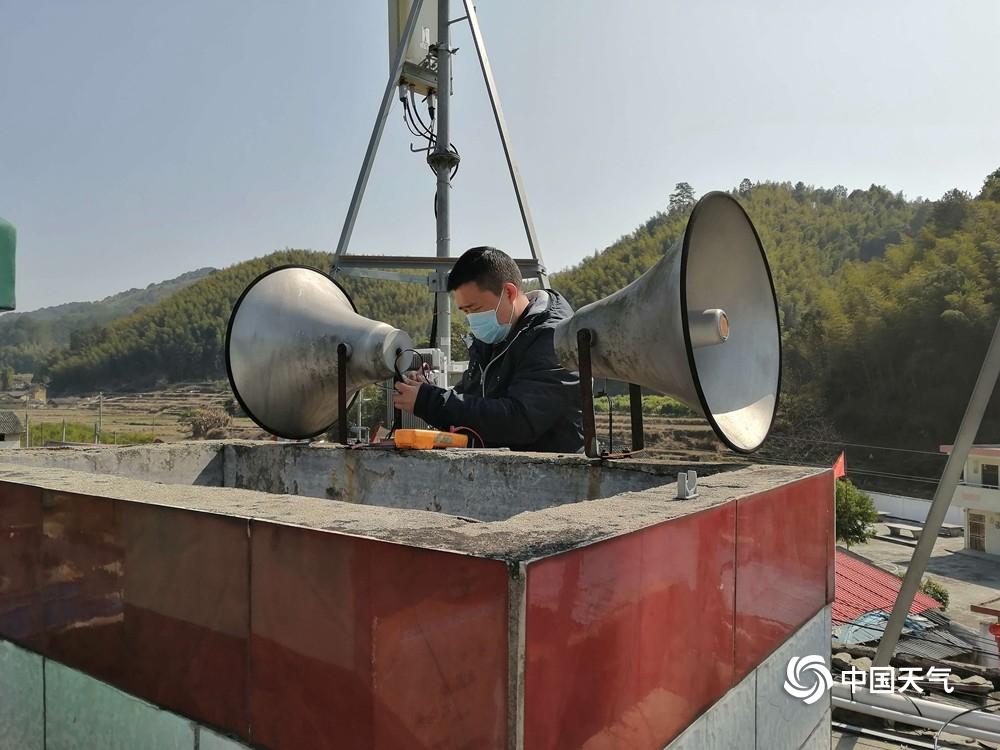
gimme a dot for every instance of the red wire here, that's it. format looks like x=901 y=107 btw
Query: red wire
x=469 y=429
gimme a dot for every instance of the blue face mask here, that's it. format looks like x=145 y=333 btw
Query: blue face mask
x=487 y=328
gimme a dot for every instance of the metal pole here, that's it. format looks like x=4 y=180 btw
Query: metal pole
x=64 y=430
x=967 y=431
x=443 y=161
x=100 y=413
x=584 y=339
x=376 y=136
x=515 y=173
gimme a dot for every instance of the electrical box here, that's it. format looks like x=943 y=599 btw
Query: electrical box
x=419 y=65
x=8 y=241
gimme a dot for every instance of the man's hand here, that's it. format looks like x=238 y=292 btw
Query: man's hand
x=406 y=393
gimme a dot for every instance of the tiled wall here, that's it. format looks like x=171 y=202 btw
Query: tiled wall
x=47 y=706
x=757 y=714
x=290 y=637
x=282 y=635
x=629 y=640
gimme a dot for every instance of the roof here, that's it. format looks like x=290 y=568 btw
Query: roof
x=10 y=424
x=865 y=597
x=862 y=587
x=986 y=451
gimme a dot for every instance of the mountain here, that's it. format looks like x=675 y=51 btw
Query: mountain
x=25 y=337
x=887 y=305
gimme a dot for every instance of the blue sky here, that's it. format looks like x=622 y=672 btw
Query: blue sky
x=142 y=139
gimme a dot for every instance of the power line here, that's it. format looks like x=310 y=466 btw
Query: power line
x=789 y=438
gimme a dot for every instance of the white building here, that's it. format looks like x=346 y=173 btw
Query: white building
x=979 y=493
x=11 y=430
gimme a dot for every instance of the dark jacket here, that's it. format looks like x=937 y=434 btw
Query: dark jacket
x=529 y=401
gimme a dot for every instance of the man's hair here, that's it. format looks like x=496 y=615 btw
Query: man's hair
x=488 y=267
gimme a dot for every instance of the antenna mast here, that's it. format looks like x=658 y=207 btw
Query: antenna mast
x=420 y=65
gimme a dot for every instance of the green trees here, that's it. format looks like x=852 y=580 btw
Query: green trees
x=682 y=199
x=855 y=514
x=886 y=308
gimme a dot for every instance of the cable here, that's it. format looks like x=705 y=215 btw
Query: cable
x=937 y=734
x=886 y=475
x=855 y=445
x=395 y=366
x=416 y=112
x=482 y=442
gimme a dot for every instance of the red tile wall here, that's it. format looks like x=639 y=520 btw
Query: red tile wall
x=630 y=639
x=294 y=637
x=354 y=643
x=364 y=644
x=783 y=563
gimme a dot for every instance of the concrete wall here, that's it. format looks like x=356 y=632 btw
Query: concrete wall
x=914 y=508
x=757 y=714
x=47 y=706
x=486 y=486
x=195 y=462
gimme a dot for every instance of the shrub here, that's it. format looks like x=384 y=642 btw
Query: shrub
x=855 y=514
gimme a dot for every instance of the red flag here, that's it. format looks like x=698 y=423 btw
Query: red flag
x=840 y=466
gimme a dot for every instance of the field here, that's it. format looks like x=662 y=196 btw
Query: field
x=128 y=418
x=161 y=416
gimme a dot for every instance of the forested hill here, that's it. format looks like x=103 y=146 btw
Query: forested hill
x=887 y=305
x=27 y=337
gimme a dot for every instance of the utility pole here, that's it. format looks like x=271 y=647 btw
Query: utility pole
x=989 y=374
x=443 y=161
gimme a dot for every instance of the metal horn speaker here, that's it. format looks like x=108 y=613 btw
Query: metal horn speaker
x=701 y=325
x=282 y=351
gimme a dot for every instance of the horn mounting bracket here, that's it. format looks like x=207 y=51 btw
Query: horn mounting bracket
x=584 y=342
x=342 y=355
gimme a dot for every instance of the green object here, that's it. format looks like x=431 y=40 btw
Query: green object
x=8 y=240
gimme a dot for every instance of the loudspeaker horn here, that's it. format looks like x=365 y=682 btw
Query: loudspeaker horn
x=281 y=350
x=701 y=325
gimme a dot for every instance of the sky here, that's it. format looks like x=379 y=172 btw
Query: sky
x=141 y=139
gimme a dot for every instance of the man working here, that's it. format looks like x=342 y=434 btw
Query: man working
x=515 y=393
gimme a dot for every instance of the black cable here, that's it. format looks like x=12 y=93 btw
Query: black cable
x=395 y=366
x=854 y=445
x=416 y=113
x=937 y=734
x=406 y=120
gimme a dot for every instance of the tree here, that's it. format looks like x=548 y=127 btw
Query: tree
x=855 y=514
x=682 y=199
x=949 y=212
x=991 y=187
x=6 y=378
x=745 y=187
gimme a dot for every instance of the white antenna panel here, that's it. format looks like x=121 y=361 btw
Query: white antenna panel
x=419 y=66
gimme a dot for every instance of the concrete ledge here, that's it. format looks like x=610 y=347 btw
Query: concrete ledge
x=525 y=536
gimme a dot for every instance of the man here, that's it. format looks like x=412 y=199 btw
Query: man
x=515 y=393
